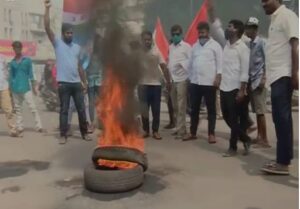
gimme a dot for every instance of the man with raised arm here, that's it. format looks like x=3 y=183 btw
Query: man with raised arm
x=70 y=76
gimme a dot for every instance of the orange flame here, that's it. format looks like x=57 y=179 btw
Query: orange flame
x=112 y=103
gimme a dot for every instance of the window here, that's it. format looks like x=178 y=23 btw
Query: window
x=10 y=33
x=5 y=15
x=10 y=17
x=6 y=32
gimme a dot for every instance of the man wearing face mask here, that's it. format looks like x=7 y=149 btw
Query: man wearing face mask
x=235 y=76
x=70 y=76
x=179 y=55
x=205 y=76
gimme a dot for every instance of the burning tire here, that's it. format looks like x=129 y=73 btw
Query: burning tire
x=120 y=154
x=113 y=181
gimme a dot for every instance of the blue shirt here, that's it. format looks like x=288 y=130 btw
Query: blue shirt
x=20 y=75
x=257 y=62
x=67 y=60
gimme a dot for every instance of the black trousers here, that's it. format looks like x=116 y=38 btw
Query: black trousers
x=197 y=92
x=281 y=97
x=66 y=91
x=236 y=117
x=150 y=97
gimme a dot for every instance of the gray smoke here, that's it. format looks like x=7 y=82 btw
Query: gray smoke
x=119 y=50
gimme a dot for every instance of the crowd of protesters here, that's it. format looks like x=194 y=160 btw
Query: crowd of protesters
x=236 y=64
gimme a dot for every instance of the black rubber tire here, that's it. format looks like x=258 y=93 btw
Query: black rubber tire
x=112 y=181
x=120 y=154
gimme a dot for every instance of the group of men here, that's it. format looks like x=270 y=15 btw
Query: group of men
x=241 y=65
x=237 y=63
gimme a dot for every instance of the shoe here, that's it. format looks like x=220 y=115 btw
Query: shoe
x=212 y=139
x=15 y=134
x=275 y=169
x=87 y=137
x=230 y=153
x=169 y=126
x=20 y=130
x=62 y=140
x=156 y=136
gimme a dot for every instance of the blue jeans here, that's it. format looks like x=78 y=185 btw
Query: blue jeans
x=150 y=96
x=281 y=96
x=66 y=91
x=94 y=94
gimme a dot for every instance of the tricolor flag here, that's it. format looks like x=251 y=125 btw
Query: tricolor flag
x=192 y=34
x=160 y=39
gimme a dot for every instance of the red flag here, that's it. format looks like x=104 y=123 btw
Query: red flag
x=78 y=6
x=161 y=40
x=192 y=34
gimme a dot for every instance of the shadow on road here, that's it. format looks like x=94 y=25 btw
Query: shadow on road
x=19 y=168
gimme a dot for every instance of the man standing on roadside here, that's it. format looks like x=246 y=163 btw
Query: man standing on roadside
x=22 y=84
x=282 y=53
x=5 y=99
x=149 y=90
x=205 y=77
x=257 y=80
x=235 y=75
x=70 y=76
x=179 y=55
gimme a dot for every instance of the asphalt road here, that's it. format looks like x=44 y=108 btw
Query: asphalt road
x=38 y=173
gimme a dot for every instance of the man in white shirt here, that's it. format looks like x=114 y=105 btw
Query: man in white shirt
x=5 y=98
x=149 y=90
x=179 y=55
x=235 y=76
x=282 y=64
x=205 y=77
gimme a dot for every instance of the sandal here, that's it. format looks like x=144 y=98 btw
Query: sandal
x=157 y=136
x=275 y=169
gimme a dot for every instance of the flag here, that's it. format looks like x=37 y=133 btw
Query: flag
x=160 y=40
x=76 y=11
x=192 y=34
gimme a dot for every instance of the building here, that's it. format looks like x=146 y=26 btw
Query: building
x=23 y=20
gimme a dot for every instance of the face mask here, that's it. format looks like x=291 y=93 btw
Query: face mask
x=176 y=39
x=203 y=40
x=228 y=34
